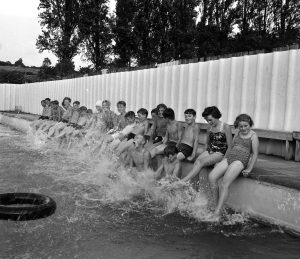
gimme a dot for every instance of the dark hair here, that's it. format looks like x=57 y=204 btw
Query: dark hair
x=106 y=101
x=66 y=98
x=169 y=114
x=154 y=111
x=83 y=108
x=161 y=105
x=143 y=111
x=55 y=102
x=243 y=117
x=47 y=99
x=121 y=103
x=130 y=114
x=170 y=150
x=43 y=101
x=76 y=102
x=213 y=111
x=90 y=111
x=190 y=111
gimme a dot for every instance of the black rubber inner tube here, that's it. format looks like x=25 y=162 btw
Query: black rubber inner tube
x=25 y=206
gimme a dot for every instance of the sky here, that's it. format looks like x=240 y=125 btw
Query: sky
x=19 y=29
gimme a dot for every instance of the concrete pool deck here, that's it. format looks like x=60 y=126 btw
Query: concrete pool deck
x=271 y=192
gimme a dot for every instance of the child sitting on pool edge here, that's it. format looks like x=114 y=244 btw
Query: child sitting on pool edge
x=188 y=141
x=239 y=159
x=169 y=162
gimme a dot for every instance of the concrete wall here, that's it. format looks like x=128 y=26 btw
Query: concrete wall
x=266 y=86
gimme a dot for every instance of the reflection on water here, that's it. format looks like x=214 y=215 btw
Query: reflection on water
x=106 y=211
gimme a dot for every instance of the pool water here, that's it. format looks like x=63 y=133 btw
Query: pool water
x=105 y=211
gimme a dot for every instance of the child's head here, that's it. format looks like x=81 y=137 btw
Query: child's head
x=142 y=114
x=169 y=114
x=130 y=117
x=83 y=110
x=121 y=106
x=160 y=109
x=171 y=152
x=211 y=114
x=43 y=103
x=154 y=113
x=98 y=106
x=55 y=104
x=76 y=105
x=140 y=140
x=47 y=100
x=243 y=123
x=66 y=102
x=106 y=105
x=190 y=116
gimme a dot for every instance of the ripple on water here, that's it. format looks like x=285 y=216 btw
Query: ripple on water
x=105 y=208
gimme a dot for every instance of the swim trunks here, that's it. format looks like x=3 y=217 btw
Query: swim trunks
x=64 y=121
x=157 y=139
x=43 y=118
x=171 y=143
x=130 y=136
x=79 y=127
x=185 y=149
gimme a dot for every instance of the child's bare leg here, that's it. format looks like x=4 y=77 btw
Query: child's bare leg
x=125 y=145
x=213 y=178
x=231 y=174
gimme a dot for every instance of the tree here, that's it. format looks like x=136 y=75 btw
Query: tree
x=59 y=21
x=183 y=28
x=95 y=29
x=125 y=41
x=19 y=63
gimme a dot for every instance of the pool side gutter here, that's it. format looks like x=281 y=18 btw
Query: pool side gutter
x=266 y=202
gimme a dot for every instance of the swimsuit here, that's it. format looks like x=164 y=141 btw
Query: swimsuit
x=171 y=143
x=185 y=149
x=217 y=141
x=240 y=151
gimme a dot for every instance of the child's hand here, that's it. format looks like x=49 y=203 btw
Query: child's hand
x=246 y=172
x=191 y=158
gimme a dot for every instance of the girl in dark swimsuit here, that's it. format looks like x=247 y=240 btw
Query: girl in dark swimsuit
x=218 y=139
x=240 y=158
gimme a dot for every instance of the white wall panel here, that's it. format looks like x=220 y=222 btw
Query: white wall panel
x=266 y=86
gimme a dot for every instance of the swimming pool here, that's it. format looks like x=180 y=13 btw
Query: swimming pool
x=105 y=215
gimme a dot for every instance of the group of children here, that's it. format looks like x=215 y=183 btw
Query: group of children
x=137 y=142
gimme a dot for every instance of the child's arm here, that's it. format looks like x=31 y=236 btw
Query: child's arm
x=152 y=130
x=196 y=142
x=253 y=158
x=180 y=134
x=146 y=160
x=228 y=134
x=166 y=137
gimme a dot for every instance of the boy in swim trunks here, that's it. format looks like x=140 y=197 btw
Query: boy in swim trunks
x=188 y=142
x=172 y=133
x=169 y=162
x=139 y=156
x=159 y=127
x=109 y=117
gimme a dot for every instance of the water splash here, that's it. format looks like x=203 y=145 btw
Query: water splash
x=100 y=178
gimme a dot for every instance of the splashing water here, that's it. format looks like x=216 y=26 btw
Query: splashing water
x=102 y=179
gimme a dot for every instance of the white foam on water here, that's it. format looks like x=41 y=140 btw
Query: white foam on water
x=102 y=178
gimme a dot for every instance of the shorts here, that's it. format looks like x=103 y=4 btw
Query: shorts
x=171 y=143
x=157 y=139
x=185 y=149
x=74 y=125
x=44 y=118
x=64 y=121
x=130 y=136
x=78 y=127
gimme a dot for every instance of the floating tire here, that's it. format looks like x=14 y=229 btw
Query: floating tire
x=25 y=206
